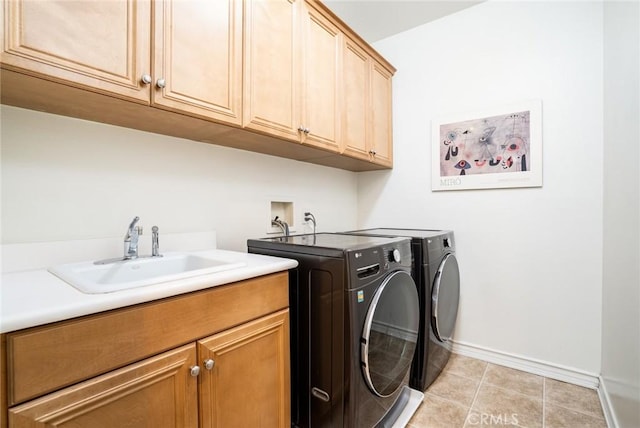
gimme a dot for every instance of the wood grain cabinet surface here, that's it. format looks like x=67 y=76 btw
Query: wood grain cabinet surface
x=212 y=358
x=281 y=77
x=193 y=65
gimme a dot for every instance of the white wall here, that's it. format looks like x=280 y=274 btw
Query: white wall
x=621 y=285
x=65 y=179
x=530 y=259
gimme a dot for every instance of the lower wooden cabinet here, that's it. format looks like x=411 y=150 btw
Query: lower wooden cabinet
x=239 y=377
x=248 y=382
x=157 y=392
x=218 y=357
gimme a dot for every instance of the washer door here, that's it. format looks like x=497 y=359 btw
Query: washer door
x=444 y=298
x=390 y=334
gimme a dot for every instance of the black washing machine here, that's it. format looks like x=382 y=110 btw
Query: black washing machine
x=354 y=327
x=435 y=271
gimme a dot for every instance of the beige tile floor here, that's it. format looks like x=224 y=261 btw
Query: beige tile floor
x=472 y=393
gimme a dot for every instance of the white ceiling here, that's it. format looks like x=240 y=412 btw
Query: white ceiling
x=374 y=20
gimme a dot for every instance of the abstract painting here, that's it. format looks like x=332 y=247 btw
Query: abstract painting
x=496 y=148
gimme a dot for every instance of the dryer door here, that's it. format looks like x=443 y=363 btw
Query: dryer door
x=444 y=298
x=390 y=334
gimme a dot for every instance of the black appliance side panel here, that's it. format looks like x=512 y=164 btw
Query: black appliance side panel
x=316 y=290
x=420 y=274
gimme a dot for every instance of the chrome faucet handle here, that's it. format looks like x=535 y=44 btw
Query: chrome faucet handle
x=155 y=242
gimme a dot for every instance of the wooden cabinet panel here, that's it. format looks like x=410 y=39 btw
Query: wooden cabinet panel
x=102 y=45
x=272 y=68
x=355 y=100
x=381 y=119
x=321 y=90
x=157 y=392
x=198 y=54
x=83 y=348
x=249 y=382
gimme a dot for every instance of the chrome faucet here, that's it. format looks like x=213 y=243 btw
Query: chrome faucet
x=131 y=240
x=281 y=224
x=131 y=244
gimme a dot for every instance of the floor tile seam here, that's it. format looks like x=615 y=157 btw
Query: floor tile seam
x=475 y=396
x=465 y=376
x=448 y=400
x=517 y=392
x=576 y=411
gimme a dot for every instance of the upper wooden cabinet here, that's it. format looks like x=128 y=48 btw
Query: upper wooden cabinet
x=272 y=68
x=106 y=46
x=241 y=73
x=321 y=76
x=101 y=45
x=366 y=131
x=197 y=58
x=381 y=119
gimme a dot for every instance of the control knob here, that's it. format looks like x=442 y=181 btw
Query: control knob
x=394 y=256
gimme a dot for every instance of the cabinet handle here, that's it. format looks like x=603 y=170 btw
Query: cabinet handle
x=208 y=364
x=194 y=371
x=146 y=79
x=161 y=83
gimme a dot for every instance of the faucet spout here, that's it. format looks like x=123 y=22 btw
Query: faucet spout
x=131 y=239
x=282 y=225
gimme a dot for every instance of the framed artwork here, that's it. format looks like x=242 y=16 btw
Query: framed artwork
x=495 y=148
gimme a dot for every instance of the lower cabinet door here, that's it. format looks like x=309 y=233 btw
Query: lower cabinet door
x=156 y=392
x=245 y=381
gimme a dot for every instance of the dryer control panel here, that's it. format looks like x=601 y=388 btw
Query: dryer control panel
x=370 y=263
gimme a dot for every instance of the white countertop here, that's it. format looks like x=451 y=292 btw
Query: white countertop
x=36 y=297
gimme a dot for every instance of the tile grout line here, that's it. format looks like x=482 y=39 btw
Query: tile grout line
x=475 y=396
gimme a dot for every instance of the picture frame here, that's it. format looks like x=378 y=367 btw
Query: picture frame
x=498 y=147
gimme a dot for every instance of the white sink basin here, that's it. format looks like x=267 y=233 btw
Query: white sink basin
x=121 y=275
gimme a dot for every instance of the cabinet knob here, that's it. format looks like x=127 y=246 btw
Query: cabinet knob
x=194 y=371
x=306 y=130
x=146 y=79
x=300 y=128
x=208 y=364
x=161 y=83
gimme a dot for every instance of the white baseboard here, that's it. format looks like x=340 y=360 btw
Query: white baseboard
x=607 y=407
x=530 y=365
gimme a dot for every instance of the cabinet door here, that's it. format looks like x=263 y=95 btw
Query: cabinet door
x=99 y=45
x=248 y=384
x=356 y=101
x=157 y=392
x=271 y=68
x=198 y=58
x=320 y=77
x=381 y=130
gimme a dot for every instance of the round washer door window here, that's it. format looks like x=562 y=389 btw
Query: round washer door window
x=444 y=298
x=390 y=334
